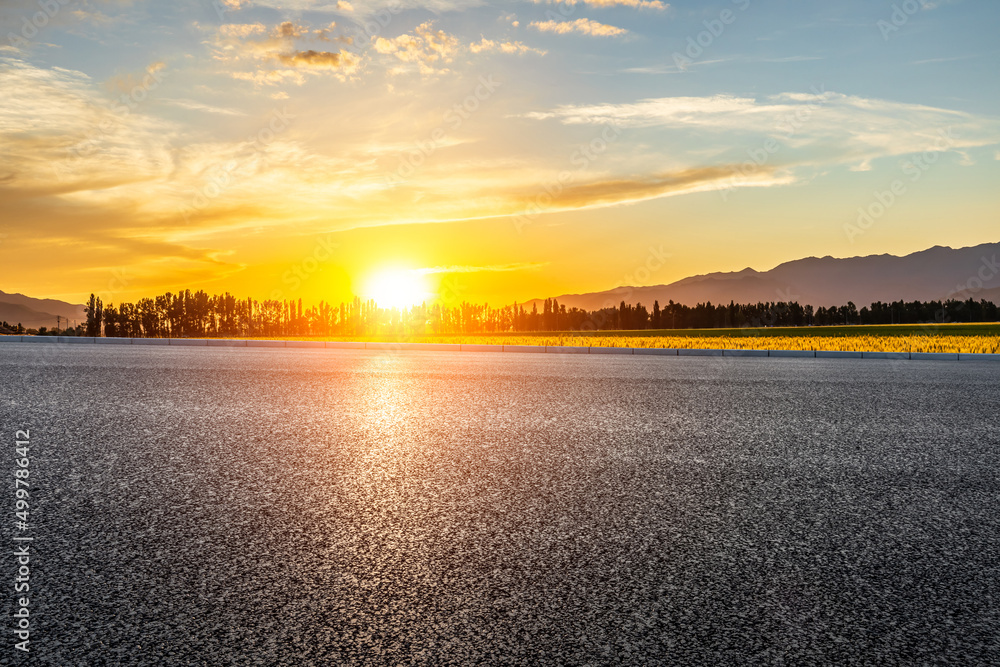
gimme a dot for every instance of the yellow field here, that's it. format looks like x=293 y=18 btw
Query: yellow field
x=862 y=343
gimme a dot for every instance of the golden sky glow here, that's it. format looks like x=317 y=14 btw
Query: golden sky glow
x=303 y=149
x=396 y=288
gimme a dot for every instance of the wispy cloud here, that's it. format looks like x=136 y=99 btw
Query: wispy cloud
x=242 y=29
x=615 y=191
x=637 y=4
x=194 y=105
x=581 y=26
x=848 y=128
x=944 y=60
x=517 y=191
x=364 y=7
x=675 y=69
x=504 y=47
x=47 y=113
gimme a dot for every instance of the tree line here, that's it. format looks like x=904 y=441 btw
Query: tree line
x=198 y=314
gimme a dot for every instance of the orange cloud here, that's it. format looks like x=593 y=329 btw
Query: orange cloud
x=519 y=48
x=425 y=48
x=312 y=58
x=582 y=26
x=282 y=44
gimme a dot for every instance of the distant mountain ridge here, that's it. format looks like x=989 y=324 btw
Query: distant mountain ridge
x=937 y=273
x=33 y=313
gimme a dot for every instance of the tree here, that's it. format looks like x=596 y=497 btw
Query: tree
x=91 y=315
x=95 y=316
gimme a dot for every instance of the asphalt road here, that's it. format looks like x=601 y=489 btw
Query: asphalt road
x=295 y=507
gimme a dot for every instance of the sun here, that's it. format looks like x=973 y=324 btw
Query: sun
x=396 y=288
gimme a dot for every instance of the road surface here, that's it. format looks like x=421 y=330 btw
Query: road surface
x=293 y=507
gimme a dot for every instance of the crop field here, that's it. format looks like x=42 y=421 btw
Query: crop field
x=968 y=338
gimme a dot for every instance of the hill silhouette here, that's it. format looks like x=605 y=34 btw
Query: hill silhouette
x=31 y=312
x=936 y=273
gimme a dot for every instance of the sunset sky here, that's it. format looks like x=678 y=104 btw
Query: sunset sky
x=492 y=151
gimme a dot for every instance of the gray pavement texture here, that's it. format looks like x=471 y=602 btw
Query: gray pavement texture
x=298 y=507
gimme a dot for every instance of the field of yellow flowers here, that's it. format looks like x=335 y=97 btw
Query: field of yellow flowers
x=968 y=338
x=865 y=343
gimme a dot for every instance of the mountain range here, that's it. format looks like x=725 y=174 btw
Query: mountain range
x=936 y=273
x=33 y=313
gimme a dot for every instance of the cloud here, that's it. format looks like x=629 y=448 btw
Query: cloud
x=69 y=151
x=582 y=26
x=343 y=60
x=127 y=82
x=323 y=34
x=679 y=69
x=289 y=29
x=61 y=135
x=368 y=7
x=194 y=105
x=23 y=22
x=273 y=77
x=80 y=166
x=843 y=128
x=636 y=4
x=945 y=60
x=537 y=190
x=285 y=53
x=426 y=48
x=286 y=44
x=653 y=111
x=615 y=191
x=519 y=48
x=242 y=29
